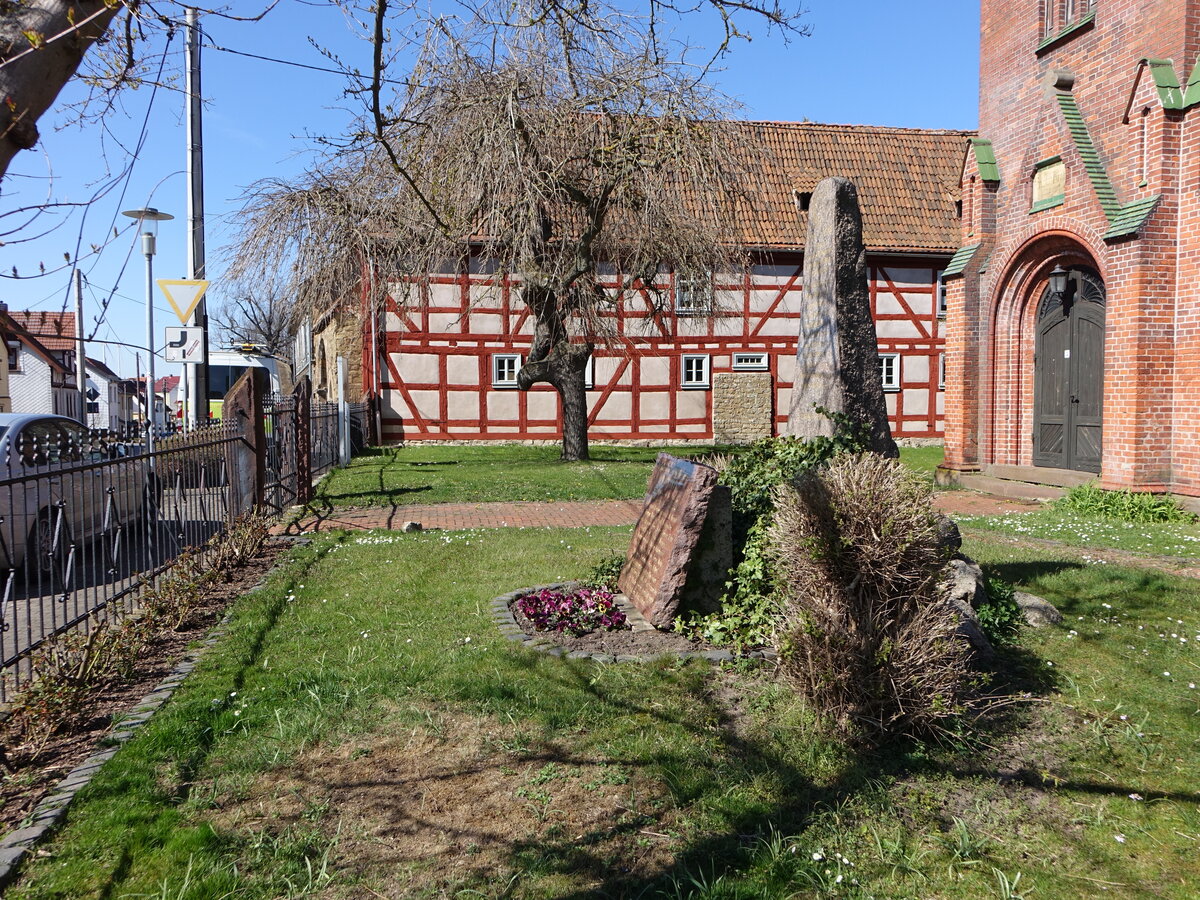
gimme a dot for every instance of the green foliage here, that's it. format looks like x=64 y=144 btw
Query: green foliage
x=750 y=605
x=1124 y=506
x=752 y=476
x=604 y=574
x=1000 y=618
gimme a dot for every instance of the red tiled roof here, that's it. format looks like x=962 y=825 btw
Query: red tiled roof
x=166 y=383
x=907 y=180
x=54 y=330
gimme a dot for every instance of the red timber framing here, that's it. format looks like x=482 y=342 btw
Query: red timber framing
x=440 y=352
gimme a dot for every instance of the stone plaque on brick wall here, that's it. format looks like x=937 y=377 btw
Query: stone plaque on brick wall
x=666 y=536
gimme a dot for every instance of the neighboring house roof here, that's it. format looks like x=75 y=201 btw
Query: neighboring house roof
x=907 y=180
x=166 y=384
x=55 y=330
x=14 y=327
x=102 y=370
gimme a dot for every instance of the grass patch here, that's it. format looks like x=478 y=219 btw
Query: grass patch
x=1055 y=523
x=363 y=730
x=511 y=472
x=922 y=460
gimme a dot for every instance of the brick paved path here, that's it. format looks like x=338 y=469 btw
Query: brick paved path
x=458 y=516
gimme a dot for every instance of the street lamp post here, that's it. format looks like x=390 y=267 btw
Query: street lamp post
x=149 y=219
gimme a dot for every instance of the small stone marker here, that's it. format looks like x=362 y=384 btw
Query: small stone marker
x=666 y=537
x=837 y=364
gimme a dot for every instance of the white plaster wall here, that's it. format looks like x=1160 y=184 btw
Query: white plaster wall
x=897 y=328
x=462 y=405
x=617 y=408
x=503 y=405
x=916 y=402
x=656 y=370
x=654 y=406
x=462 y=370
x=691 y=404
x=542 y=405
x=30 y=387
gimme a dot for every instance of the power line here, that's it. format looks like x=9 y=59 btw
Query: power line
x=299 y=65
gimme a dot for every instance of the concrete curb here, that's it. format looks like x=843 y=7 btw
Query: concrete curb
x=45 y=818
x=503 y=618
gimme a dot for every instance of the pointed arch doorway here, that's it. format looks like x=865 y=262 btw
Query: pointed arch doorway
x=1069 y=374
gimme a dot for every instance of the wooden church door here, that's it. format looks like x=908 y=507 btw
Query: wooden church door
x=1069 y=375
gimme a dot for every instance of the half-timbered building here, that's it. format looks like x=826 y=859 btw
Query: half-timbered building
x=700 y=356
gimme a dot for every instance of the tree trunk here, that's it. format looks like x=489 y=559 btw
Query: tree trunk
x=555 y=360
x=30 y=84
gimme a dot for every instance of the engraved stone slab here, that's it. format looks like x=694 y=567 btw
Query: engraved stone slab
x=837 y=363
x=666 y=536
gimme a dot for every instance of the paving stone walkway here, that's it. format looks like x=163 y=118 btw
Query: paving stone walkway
x=564 y=514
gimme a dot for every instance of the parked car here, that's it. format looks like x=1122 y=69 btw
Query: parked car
x=60 y=483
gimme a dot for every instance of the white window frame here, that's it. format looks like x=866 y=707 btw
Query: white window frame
x=939 y=301
x=750 y=361
x=705 y=379
x=941 y=371
x=693 y=293
x=589 y=374
x=14 y=356
x=890 y=380
x=497 y=359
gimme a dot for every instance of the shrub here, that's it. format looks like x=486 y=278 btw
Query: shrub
x=1000 y=618
x=604 y=574
x=868 y=638
x=750 y=606
x=1124 y=506
x=576 y=612
x=70 y=672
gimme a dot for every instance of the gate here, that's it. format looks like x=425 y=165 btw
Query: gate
x=1069 y=375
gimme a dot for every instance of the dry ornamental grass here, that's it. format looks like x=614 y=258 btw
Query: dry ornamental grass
x=869 y=638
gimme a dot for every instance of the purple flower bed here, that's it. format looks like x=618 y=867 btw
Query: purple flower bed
x=577 y=612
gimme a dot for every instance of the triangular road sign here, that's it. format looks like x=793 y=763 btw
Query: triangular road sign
x=183 y=295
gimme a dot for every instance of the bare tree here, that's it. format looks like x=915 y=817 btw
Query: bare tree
x=258 y=317
x=557 y=147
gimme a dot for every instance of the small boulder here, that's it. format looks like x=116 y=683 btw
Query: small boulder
x=948 y=534
x=964 y=586
x=410 y=527
x=1038 y=612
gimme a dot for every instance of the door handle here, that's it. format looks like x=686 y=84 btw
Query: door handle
x=1074 y=399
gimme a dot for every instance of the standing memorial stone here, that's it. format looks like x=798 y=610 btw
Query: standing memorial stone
x=837 y=364
x=666 y=537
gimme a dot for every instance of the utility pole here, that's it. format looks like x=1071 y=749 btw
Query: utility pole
x=80 y=357
x=197 y=384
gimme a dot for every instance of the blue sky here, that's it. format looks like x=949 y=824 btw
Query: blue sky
x=879 y=62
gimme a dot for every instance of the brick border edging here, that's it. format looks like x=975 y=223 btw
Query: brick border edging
x=50 y=812
x=503 y=618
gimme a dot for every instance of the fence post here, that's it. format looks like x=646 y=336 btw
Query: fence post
x=302 y=395
x=246 y=459
x=343 y=414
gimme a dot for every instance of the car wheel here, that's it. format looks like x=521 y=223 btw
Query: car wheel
x=42 y=556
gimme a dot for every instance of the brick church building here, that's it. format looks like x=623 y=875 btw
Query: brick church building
x=1074 y=325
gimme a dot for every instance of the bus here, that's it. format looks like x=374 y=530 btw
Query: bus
x=225 y=367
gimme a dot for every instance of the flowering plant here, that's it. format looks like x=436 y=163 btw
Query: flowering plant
x=577 y=612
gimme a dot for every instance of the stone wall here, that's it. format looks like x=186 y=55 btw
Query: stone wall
x=742 y=407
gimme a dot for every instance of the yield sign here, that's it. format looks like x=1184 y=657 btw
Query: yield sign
x=183 y=296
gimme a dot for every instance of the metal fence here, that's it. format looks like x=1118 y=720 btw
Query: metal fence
x=88 y=521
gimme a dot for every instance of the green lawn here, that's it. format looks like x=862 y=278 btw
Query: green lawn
x=1170 y=539
x=364 y=731
x=433 y=473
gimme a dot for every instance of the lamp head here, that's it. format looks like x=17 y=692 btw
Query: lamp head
x=1058 y=280
x=149 y=218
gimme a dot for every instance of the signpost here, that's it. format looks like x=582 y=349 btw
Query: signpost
x=184 y=345
x=185 y=295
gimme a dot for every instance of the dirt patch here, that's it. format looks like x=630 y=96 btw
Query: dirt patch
x=623 y=642
x=465 y=801
x=32 y=775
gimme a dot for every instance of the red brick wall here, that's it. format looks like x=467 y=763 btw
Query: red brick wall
x=1152 y=337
